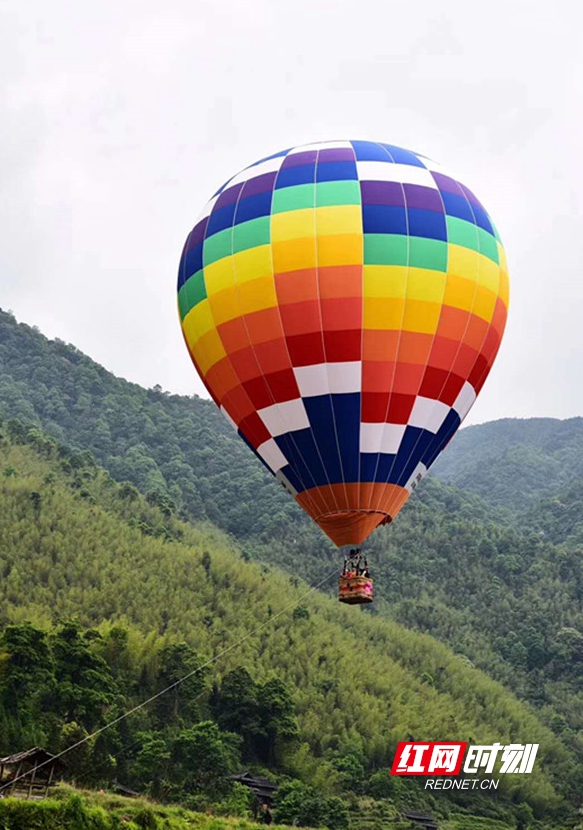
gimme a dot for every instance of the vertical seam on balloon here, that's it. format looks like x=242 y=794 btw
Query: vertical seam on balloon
x=470 y=312
x=394 y=496
x=244 y=320
x=484 y=374
x=462 y=339
x=242 y=316
x=188 y=346
x=236 y=409
x=325 y=364
x=359 y=505
x=316 y=512
x=487 y=369
x=374 y=500
x=433 y=339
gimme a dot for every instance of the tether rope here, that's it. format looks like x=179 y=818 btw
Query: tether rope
x=159 y=694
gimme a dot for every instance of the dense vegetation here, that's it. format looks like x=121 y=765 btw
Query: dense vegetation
x=499 y=578
x=68 y=809
x=173 y=448
x=301 y=687
x=493 y=570
x=515 y=462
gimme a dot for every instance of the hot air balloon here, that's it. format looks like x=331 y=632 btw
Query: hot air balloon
x=343 y=303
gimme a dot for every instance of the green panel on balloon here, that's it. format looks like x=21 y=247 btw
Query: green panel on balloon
x=385 y=249
x=251 y=234
x=217 y=246
x=195 y=291
x=294 y=198
x=427 y=253
x=337 y=193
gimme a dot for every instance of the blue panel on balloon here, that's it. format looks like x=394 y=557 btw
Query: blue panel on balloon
x=291 y=176
x=300 y=449
x=385 y=466
x=375 y=466
x=221 y=219
x=321 y=418
x=408 y=463
x=293 y=478
x=444 y=435
x=457 y=206
x=427 y=223
x=401 y=156
x=384 y=219
x=192 y=261
x=370 y=151
x=406 y=453
x=347 y=419
x=334 y=171
x=253 y=207
x=482 y=219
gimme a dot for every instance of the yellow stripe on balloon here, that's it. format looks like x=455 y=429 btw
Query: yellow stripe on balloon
x=225 y=305
x=253 y=263
x=294 y=254
x=346 y=249
x=463 y=261
x=256 y=295
x=339 y=219
x=385 y=280
x=208 y=350
x=484 y=304
x=504 y=287
x=293 y=224
x=219 y=276
x=383 y=313
x=489 y=274
x=421 y=316
x=424 y=284
x=459 y=292
x=198 y=321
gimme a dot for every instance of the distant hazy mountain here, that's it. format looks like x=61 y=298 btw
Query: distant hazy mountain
x=512 y=462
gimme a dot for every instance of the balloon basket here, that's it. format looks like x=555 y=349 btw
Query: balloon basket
x=355 y=590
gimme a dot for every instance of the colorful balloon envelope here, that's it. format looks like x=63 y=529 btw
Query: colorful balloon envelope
x=343 y=303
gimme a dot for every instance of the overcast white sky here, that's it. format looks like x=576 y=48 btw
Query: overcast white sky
x=119 y=120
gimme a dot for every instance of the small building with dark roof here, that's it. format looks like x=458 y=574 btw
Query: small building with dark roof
x=262 y=788
x=28 y=774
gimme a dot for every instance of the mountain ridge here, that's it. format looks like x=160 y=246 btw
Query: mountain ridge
x=496 y=576
x=73 y=542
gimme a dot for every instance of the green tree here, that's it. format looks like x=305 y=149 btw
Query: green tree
x=182 y=702
x=202 y=757
x=26 y=668
x=84 y=685
x=279 y=726
x=236 y=708
x=300 y=805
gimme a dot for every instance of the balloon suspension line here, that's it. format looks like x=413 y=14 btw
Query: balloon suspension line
x=159 y=694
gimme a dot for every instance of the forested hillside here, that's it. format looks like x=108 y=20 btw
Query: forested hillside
x=514 y=462
x=502 y=586
x=176 y=449
x=309 y=688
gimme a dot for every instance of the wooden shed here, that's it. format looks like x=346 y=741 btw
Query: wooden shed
x=28 y=774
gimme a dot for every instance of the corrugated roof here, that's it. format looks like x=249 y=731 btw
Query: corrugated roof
x=34 y=754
